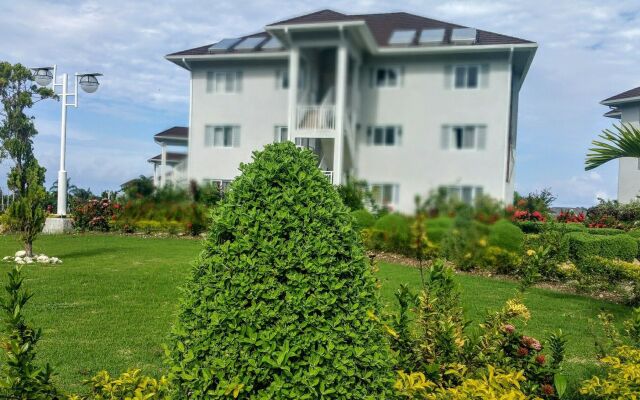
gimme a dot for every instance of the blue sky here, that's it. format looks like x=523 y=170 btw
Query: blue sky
x=588 y=50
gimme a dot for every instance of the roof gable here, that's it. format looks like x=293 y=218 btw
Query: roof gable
x=629 y=95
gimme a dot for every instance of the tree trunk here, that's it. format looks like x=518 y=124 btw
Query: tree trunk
x=28 y=247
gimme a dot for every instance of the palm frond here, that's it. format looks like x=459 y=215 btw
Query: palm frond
x=623 y=141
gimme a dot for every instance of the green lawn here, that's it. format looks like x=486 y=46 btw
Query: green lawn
x=111 y=303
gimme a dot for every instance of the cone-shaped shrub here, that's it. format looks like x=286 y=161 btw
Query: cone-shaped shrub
x=281 y=303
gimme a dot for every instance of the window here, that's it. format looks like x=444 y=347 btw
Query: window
x=222 y=136
x=282 y=78
x=384 y=135
x=385 y=193
x=464 y=137
x=466 y=76
x=224 y=82
x=385 y=77
x=464 y=193
x=281 y=134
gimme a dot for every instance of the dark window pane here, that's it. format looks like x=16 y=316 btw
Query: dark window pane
x=460 y=77
x=459 y=137
x=379 y=136
x=467 y=194
x=392 y=77
x=380 y=77
x=472 y=77
x=390 y=136
x=387 y=194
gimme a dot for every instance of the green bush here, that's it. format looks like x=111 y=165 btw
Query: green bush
x=363 y=219
x=466 y=241
x=148 y=227
x=282 y=301
x=391 y=232
x=605 y=231
x=583 y=245
x=437 y=228
x=506 y=235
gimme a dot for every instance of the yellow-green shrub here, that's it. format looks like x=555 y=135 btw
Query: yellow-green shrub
x=622 y=380
x=493 y=384
x=131 y=385
x=148 y=226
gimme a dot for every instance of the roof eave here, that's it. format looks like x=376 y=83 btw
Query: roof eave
x=178 y=59
x=453 y=48
x=620 y=101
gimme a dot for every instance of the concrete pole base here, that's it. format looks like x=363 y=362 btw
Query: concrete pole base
x=57 y=225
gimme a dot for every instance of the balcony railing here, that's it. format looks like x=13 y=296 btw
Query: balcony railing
x=316 y=118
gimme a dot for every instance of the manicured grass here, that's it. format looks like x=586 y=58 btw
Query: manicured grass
x=111 y=303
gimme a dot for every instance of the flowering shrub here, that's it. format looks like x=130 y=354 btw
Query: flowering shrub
x=570 y=217
x=95 y=215
x=524 y=215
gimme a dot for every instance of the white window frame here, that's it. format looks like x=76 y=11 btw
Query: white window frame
x=223 y=184
x=280 y=134
x=216 y=136
x=474 y=190
x=385 y=83
x=482 y=71
x=379 y=188
x=282 y=78
x=224 y=82
x=376 y=132
x=478 y=140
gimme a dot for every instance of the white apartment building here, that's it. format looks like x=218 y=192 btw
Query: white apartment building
x=626 y=107
x=407 y=103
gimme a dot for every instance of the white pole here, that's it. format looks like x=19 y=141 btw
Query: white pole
x=62 y=174
x=163 y=163
x=294 y=66
x=341 y=90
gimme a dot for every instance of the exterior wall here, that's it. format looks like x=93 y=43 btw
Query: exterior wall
x=422 y=105
x=628 y=170
x=257 y=109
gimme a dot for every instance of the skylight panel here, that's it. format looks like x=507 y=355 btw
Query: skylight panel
x=224 y=44
x=463 y=35
x=402 y=37
x=431 y=36
x=272 y=44
x=249 y=43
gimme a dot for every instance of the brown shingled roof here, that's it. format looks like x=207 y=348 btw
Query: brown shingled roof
x=629 y=94
x=176 y=132
x=381 y=27
x=172 y=158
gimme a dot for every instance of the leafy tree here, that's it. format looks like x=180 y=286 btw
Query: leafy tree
x=26 y=179
x=139 y=188
x=622 y=141
x=20 y=377
x=356 y=195
x=281 y=302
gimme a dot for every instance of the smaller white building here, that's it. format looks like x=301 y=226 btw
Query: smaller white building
x=170 y=166
x=626 y=107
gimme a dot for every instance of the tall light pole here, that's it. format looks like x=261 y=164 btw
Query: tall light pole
x=44 y=76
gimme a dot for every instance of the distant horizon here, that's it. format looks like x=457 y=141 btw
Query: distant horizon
x=588 y=51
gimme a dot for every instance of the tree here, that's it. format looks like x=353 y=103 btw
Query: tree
x=282 y=301
x=26 y=179
x=139 y=188
x=623 y=141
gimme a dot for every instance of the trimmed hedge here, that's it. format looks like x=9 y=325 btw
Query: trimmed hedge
x=583 y=245
x=605 y=231
x=437 y=228
x=391 y=232
x=537 y=227
x=282 y=302
x=363 y=219
x=506 y=235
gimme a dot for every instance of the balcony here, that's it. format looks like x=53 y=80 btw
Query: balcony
x=316 y=118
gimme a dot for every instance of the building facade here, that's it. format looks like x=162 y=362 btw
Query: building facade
x=407 y=103
x=626 y=107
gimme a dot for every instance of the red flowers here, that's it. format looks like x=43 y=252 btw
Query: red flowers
x=531 y=343
x=547 y=389
x=522 y=352
x=570 y=217
x=540 y=359
x=508 y=328
x=523 y=215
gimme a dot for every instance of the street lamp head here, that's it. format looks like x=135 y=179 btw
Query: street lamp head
x=43 y=76
x=89 y=83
